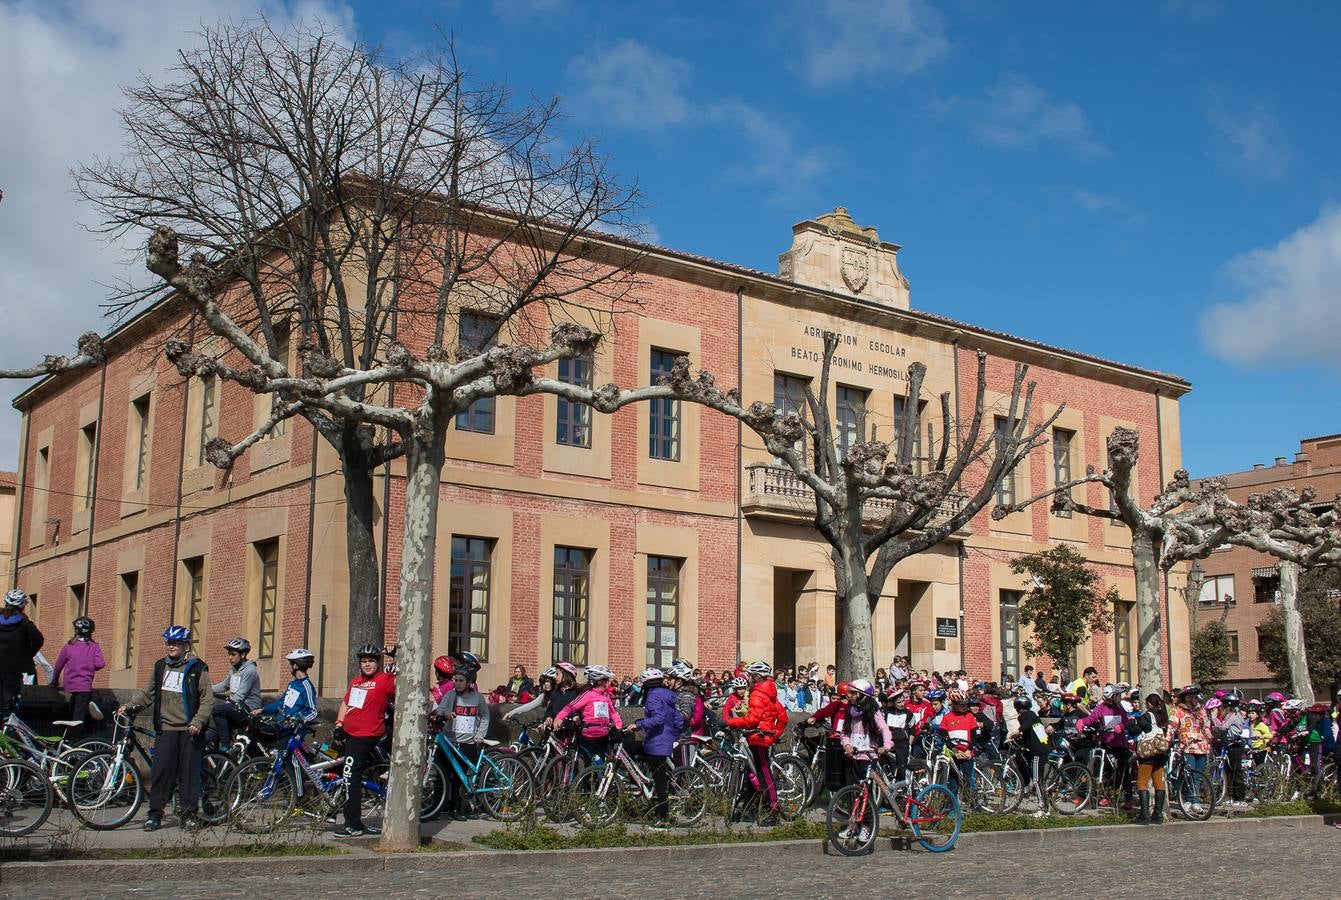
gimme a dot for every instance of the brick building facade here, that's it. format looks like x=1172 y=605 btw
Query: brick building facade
x=662 y=530
x=1241 y=584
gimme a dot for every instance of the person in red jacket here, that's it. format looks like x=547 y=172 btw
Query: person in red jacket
x=362 y=719
x=959 y=729
x=834 y=714
x=920 y=709
x=762 y=720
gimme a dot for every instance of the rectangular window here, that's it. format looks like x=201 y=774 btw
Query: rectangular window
x=267 y=406
x=663 y=420
x=130 y=594
x=663 y=600
x=88 y=446
x=1266 y=588
x=140 y=439
x=1061 y=462
x=920 y=455
x=851 y=408
x=1217 y=590
x=1010 y=633
x=789 y=396
x=572 y=593
x=477 y=333
x=77 y=603
x=573 y=425
x=1233 y=648
x=1005 y=491
x=1122 y=641
x=468 y=603
x=267 y=558
x=208 y=386
x=192 y=614
x=38 y=529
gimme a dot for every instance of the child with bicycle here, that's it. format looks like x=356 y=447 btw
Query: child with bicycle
x=464 y=715
x=361 y=720
x=78 y=661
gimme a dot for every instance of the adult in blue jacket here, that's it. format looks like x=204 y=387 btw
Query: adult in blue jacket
x=660 y=724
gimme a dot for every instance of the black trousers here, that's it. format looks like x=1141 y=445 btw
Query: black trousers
x=224 y=718
x=79 y=701
x=357 y=752
x=456 y=789
x=176 y=765
x=660 y=768
x=1235 y=752
x=11 y=689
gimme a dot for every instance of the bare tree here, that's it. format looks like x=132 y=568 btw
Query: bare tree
x=331 y=184
x=1291 y=525
x=918 y=507
x=362 y=206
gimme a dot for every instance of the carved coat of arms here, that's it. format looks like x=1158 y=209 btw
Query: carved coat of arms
x=856 y=268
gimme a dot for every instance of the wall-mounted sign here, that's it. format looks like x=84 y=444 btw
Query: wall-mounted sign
x=947 y=628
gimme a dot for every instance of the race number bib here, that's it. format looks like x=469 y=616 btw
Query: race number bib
x=290 y=697
x=896 y=720
x=464 y=726
x=959 y=736
x=1040 y=732
x=357 y=696
x=234 y=683
x=172 y=681
x=861 y=742
x=600 y=710
x=1112 y=723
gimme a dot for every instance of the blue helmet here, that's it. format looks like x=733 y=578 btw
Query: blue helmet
x=178 y=634
x=936 y=695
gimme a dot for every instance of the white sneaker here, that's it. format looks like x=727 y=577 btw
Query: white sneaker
x=864 y=835
x=1040 y=814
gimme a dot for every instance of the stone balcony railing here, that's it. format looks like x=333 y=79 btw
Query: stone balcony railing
x=775 y=492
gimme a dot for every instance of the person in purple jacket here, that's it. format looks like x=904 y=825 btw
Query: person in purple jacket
x=660 y=724
x=78 y=660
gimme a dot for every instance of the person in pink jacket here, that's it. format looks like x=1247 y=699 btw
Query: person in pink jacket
x=596 y=708
x=78 y=660
x=865 y=735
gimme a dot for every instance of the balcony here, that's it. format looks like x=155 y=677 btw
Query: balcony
x=775 y=492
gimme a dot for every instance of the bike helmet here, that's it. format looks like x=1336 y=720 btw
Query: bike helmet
x=1111 y=691
x=681 y=669
x=177 y=634
x=16 y=599
x=1213 y=703
x=567 y=667
x=369 y=651
x=597 y=673
x=1275 y=698
x=1254 y=706
x=301 y=658
x=739 y=682
x=1022 y=703
x=652 y=673
x=1230 y=701
x=1292 y=705
x=241 y=645
x=862 y=686
x=956 y=696
x=1235 y=694
x=446 y=665
x=760 y=668
x=551 y=673
x=1319 y=708
x=1190 y=689
x=83 y=626
x=1070 y=698
x=936 y=695
x=467 y=659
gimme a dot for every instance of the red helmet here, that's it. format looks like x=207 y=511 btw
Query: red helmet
x=445 y=665
x=844 y=687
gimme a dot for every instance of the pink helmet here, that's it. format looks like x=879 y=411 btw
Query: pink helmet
x=1219 y=695
x=1213 y=703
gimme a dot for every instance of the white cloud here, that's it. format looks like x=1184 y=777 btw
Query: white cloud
x=527 y=10
x=1289 y=307
x=1070 y=197
x=1017 y=114
x=632 y=86
x=847 y=40
x=62 y=65
x=1249 y=139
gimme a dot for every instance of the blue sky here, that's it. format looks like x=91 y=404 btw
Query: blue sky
x=1153 y=183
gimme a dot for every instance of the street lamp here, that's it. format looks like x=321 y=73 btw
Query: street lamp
x=1192 y=593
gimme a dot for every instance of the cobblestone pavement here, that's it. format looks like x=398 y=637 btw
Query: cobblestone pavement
x=1244 y=863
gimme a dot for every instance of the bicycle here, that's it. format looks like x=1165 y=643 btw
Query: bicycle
x=26 y=798
x=852 y=822
x=264 y=793
x=790 y=777
x=1191 y=789
x=53 y=756
x=599 y=791
x=500 y=782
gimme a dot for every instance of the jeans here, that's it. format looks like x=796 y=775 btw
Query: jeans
x=1194 y=772
x=224 y=718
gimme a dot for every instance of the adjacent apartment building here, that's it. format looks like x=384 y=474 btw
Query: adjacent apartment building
x=663 y=530
x=1243 y=585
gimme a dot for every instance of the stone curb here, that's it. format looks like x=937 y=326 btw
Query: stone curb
x=359 y=859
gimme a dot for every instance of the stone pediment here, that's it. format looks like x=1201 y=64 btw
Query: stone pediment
x=833 y=253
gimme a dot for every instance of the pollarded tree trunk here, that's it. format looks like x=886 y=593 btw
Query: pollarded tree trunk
x=1145 y=560
x=424 y=461
x=856 y=653
x=1300 y=681
x=365 y=621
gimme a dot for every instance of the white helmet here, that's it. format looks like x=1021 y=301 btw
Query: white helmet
x=1111 y=691
x=16 y=599
x=302 y=658
x=652 y=673
x=739 y=682
x=862 y=686
x=680 y=669
x=760 y=668
x=551 y=673
x=1293 y=705
x=597 y=673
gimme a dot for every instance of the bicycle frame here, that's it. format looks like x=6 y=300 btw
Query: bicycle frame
x=468 y=772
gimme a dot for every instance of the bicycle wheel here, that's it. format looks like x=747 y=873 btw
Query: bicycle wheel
x=998 y=790
x=265 y=798
x=688 y=796
x=434 y=790
x=506 y=787
x=216 y=771
x=792 y=759
x=791 y=779
x=555 y=786
x=25 y=798
x=1069 y=788
x=105 y=791
x=853 y=820
x=1220 y=779
x=372 y=805
x=1195 y=795
x=595 y=797
x=935 y=818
